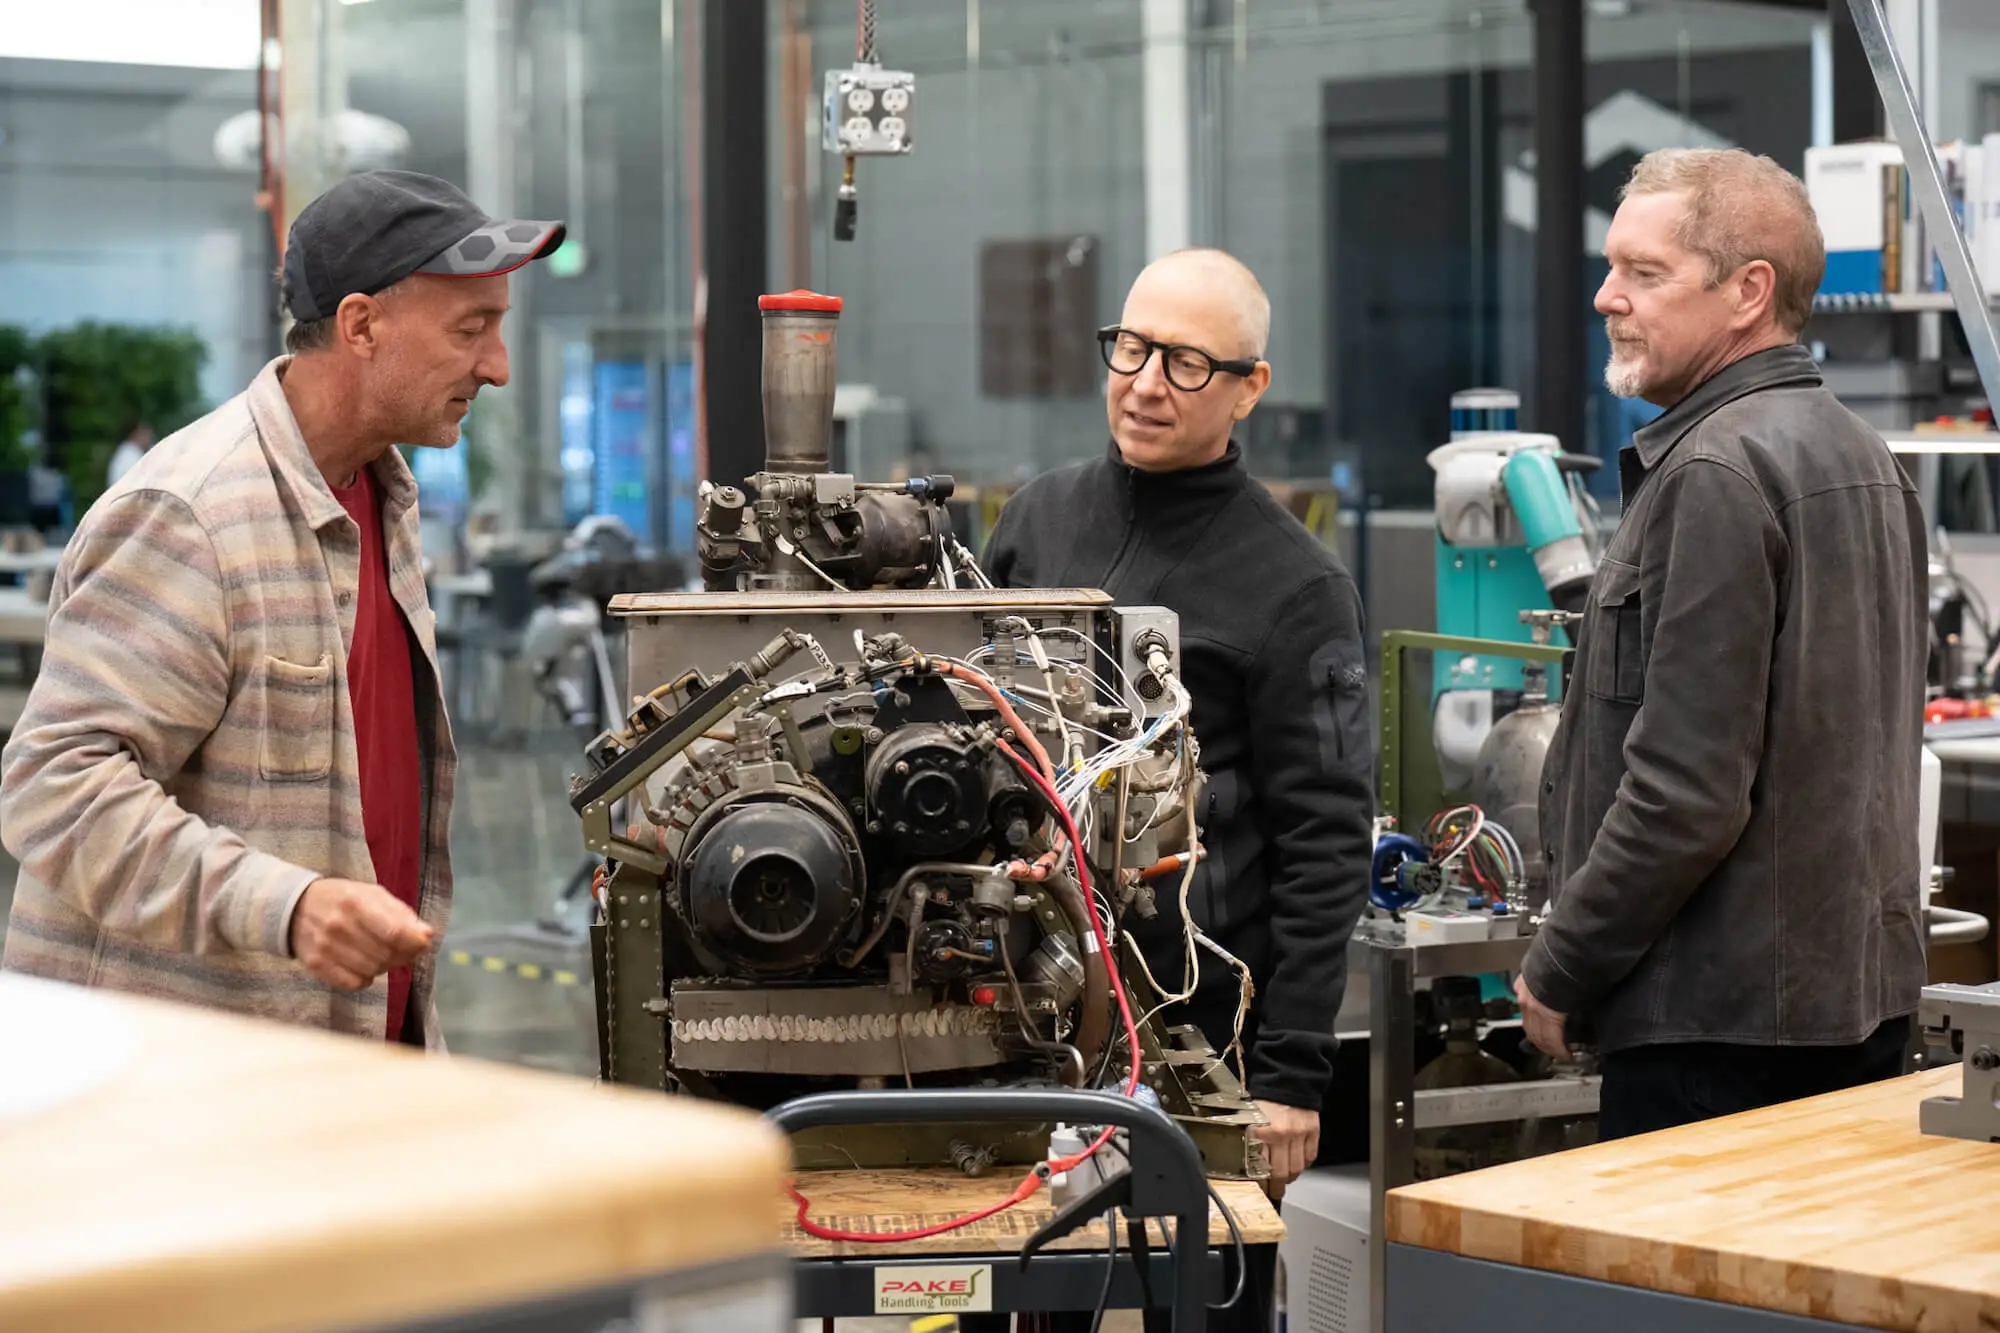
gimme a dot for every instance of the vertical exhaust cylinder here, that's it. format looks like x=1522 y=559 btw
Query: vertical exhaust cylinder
x=799 y=330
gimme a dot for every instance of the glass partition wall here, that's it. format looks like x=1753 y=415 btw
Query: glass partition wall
x=1371 y=160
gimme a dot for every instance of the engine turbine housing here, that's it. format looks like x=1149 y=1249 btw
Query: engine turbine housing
x=770 y=887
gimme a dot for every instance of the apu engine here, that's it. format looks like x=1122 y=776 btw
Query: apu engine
x=886 y=836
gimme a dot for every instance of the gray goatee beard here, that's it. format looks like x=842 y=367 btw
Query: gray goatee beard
x=1626 y=379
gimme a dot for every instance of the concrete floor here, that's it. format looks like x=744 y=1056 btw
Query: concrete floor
x=514 y=845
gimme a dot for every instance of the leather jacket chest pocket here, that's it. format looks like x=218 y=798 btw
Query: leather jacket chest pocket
x=1617 y=658
x=297 y=740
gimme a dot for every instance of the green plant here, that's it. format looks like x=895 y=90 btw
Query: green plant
x=17 y=416
x=100 y=379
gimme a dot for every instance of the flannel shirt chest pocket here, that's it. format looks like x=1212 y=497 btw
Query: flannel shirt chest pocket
x=297 y=714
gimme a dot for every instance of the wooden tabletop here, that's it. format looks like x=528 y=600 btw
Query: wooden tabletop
x=225 y=1176
x=883 y=1200
x=1834 y=1208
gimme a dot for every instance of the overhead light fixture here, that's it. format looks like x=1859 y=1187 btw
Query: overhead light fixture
x=359 y=142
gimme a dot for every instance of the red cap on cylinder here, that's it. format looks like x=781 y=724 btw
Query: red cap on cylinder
x=800 y=299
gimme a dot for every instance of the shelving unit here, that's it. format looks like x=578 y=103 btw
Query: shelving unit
x=1966 y=295
x=1878 y=303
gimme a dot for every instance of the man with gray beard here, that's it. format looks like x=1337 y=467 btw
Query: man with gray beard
x=1729 y=802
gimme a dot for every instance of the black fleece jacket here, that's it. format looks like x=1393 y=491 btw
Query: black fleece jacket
x=1271 y=651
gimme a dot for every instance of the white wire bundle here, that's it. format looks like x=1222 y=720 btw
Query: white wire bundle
x=1078 y=783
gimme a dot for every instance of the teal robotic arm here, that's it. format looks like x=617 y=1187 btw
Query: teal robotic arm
x=1515 y=533
x=1550 y=526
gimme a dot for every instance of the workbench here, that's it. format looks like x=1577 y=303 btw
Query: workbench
x=1834 y=1212
x=175 y=1171
x=841 y=1278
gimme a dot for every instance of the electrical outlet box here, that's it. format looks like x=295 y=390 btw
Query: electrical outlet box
x=1132 y=628
x=867 y=111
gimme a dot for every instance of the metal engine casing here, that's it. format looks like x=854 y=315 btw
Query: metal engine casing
x=732 y=1017
x=722 y=1020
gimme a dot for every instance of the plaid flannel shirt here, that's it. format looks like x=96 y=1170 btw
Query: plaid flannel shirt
x=186 y=763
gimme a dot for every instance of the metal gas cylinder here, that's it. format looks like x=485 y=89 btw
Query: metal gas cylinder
x=1507 y=775
x=1507 y=781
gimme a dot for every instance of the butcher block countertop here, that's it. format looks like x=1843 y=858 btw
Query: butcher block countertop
x=1834 y=1208
x=176 y=1171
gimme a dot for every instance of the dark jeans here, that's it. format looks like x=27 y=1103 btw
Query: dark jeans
x=1657 y=1087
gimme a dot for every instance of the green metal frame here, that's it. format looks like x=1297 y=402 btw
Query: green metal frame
x=1410 y=776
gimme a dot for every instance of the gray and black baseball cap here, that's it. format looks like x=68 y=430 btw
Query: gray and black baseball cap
x=374 y=229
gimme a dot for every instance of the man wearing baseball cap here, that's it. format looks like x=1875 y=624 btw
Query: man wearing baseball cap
x=231 y=784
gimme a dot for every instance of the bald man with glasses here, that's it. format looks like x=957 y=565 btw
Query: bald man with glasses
x=1271 y=647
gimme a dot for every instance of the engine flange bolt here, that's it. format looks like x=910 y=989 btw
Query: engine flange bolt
x=902 y=769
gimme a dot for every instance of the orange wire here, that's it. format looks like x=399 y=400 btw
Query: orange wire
x=1006 y=711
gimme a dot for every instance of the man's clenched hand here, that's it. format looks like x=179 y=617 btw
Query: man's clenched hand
x=1543 y=1025
x=347 y=933
x=1292 y=1138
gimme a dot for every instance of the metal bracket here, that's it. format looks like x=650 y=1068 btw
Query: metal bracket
x=1485 y=1104
x=1966 y=1020
x=1396 y=711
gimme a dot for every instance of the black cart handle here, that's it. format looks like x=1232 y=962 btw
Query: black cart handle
x=1167 y=1177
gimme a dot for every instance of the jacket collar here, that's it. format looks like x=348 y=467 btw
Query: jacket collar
x=292 y=462
x=1790 y=364
x=1209 y=480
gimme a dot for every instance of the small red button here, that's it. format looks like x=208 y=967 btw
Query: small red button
x=984 y=995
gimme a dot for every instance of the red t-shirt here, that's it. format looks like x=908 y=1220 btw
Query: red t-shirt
x=382 y=692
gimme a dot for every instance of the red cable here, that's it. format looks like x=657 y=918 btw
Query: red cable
x=1007 y=714
x=1027 y=1187
x=1043 y=1170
